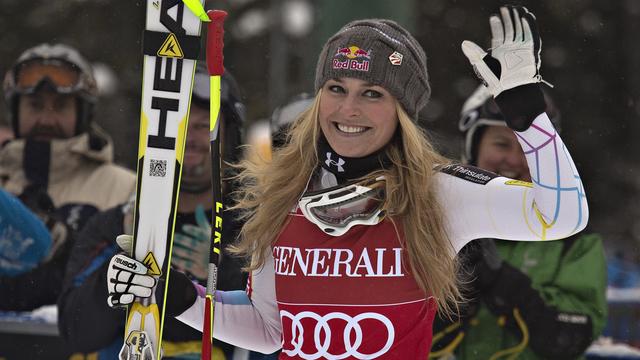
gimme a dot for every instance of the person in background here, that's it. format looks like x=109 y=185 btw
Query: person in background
x=526 y=299
x=24 y=239
x=284 y=116
x=6 y=134
x=82 y=304
x=59 y=159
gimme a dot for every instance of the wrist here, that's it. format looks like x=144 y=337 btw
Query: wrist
x=181 y=295
x=521 y=105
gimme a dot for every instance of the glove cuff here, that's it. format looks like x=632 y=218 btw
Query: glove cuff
x=182 y=293
x=521 y=105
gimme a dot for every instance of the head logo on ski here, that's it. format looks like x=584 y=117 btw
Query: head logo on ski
x=171 y=47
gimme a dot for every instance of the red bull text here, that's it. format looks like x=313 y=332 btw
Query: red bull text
x=356 y=58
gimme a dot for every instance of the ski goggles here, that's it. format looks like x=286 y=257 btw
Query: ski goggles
x=337 y=209
x=64 y=77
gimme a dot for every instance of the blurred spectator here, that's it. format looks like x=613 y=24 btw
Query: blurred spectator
x=6 y=134
x=268 y=134
x=533 y=300
x=24 y=239
x=82 y=304
x=59 y=161
x=287 y=114
x=623 y=273
x=623 y=296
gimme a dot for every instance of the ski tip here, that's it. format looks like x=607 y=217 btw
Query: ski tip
x=197 y=9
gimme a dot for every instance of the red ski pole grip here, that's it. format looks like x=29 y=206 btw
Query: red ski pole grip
x=215 y=42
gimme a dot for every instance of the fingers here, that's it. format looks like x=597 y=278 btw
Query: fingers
x=515 y=51
x=201 y=217
x=517 y=21
x=472 y=51
x=126 y=243
x=497 y=31
x=118 y=300
x=526 y=30
x=531 y=32
x=142 y=291
x=122 y=281
x=199 y=232
x=126 y=279
x=508 y=24
x=524 y=12
x=487 y=68
x=183 y=254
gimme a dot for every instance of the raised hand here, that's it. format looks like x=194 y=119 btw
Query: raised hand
x=514 y=57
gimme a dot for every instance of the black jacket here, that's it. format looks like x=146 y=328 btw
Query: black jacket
x=86 y=322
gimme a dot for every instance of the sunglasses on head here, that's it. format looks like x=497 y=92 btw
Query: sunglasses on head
x=62 y=75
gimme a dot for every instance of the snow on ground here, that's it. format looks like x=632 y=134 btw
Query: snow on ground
x=623 y=294
x=607 y=349
x=46 y=314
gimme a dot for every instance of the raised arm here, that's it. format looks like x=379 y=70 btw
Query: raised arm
x=480 y=204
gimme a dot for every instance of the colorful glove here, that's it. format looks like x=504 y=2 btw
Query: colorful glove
x=191 y=246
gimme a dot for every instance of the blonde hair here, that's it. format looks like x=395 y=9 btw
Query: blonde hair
x=271 y=190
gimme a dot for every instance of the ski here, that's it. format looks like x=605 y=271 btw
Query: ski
x=215 y=66
x=171 y=46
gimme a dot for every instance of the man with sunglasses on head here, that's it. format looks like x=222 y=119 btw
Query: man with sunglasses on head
x=59 y=154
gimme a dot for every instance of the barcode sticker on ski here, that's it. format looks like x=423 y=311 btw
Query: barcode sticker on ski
x=158 y=168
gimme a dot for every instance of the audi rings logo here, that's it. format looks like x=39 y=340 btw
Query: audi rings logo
x=323 y=343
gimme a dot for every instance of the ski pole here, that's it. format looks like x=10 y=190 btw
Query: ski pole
x=215 y=66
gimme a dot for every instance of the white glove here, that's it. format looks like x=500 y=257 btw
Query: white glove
x=127 y=278
x=515 y=51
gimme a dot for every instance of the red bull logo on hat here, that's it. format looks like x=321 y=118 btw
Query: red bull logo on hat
x=353 y=52
x=356 y=58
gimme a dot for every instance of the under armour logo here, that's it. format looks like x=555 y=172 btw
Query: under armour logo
x=338 y=164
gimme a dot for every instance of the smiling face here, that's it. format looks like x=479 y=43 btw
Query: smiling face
x=356 y=117
x=500 y=152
